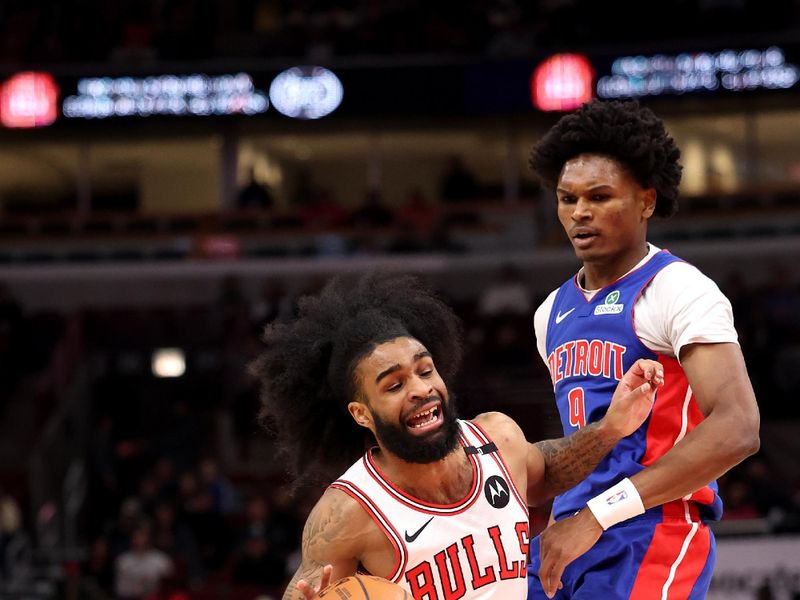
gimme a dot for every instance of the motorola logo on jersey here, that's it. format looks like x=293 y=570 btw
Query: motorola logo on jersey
x=497 y=491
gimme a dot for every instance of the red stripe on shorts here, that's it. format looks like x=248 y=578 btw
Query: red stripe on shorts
x=664 y=555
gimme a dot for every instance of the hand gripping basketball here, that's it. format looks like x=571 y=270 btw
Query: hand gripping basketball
x=363 y=587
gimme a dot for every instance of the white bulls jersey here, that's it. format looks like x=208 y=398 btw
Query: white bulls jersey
x=473 y=549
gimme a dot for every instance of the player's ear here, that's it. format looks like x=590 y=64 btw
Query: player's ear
x=360 y=413
x=648 y=197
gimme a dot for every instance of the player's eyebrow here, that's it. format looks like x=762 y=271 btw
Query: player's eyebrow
x=592 y=188
x=395 y=367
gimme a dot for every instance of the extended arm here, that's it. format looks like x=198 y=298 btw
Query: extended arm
x=555 y=466
x=330 y=548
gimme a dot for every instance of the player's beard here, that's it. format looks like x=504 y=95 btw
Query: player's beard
x=398 y=440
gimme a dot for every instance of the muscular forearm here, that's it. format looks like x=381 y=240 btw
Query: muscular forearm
x=708 y=451
x=570 y=459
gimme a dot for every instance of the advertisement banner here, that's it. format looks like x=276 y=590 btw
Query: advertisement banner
x=757 y=567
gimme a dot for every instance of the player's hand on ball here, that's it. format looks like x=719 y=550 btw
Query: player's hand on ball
x=308 y=591
x=633 y=399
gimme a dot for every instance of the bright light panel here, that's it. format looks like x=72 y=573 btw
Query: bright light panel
x=168 y=362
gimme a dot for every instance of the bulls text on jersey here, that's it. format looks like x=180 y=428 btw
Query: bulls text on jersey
x=457 y=569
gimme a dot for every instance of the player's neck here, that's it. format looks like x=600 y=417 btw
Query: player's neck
x=446 y=481
x=599 y=273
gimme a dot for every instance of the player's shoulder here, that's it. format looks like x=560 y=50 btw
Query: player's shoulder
x=545 y=307
x=334 y=513
x=501 y=429
x=681 y=275
x=337 y=506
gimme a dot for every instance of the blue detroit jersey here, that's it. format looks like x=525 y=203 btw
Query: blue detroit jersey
x=590 y=345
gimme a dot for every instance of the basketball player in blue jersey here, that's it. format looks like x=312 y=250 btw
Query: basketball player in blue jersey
x=637 y=526
x=355 y=389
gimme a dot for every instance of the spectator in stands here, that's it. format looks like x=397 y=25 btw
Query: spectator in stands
x=407 y=241
x=458 y=183
x=417 y=214
x=441 y=239
x=96 y=578
x=103 y=490
x=769 y=492
x=738 y=501
x=164 y=475
x=256 y=564
x=12 y=324
x=257 y=517
x=780 y=300
x=288 y=516
x=372 y=213
x=175 y=539
x=121 y=534
x=10 y=527
x=321 y=210
x=207 y=525
x=254 y=194
x=180 y=439
x=224 y=495
x=140 y=571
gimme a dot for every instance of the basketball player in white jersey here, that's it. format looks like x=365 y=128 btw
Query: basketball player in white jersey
x=436 y=504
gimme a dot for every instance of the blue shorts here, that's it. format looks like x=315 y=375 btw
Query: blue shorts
x=641 y=559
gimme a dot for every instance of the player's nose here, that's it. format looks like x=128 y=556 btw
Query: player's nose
x=419 y=388
x=581 y=209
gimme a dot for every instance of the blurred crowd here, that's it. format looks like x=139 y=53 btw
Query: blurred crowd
x=143 y=31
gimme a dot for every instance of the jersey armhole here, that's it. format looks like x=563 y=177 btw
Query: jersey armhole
x=400 y=551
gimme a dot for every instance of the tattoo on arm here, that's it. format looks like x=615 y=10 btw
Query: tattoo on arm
x=570 y=459
x=325 y=539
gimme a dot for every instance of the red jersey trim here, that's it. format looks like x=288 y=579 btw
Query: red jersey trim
x=628 y=274
x=420 y=505
x=400 y=551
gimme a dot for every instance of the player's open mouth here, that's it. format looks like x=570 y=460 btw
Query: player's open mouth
x=583 y=238
x=427 y=418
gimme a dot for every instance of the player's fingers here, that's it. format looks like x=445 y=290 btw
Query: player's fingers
x=637 y=368
x=555 y=576
x=652 y=372
x=306 y=589
x=546 y=577
x=648 y=370
x=326 y=576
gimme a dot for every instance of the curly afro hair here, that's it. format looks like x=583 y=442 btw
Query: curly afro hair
x=307 y=369
x=625 y=131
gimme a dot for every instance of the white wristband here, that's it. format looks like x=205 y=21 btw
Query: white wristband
x=618 y=503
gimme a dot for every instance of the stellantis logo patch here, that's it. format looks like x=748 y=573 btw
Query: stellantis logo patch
x=496 y=491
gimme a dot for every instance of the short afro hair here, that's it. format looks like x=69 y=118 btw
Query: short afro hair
x=625 y=131
x=307 y=371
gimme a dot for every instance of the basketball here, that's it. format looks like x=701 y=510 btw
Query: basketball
x=363 y=587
